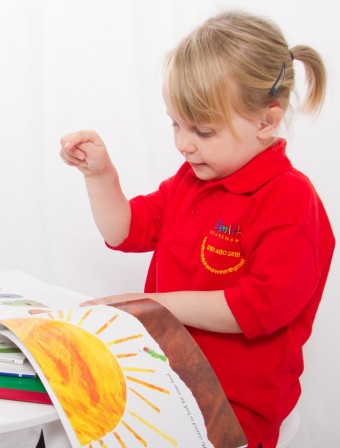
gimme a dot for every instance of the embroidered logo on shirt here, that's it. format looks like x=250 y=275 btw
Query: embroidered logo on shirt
x=220 y=249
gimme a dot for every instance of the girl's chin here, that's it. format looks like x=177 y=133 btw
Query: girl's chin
x=203 y=172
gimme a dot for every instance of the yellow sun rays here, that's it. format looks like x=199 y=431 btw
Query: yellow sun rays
x=123 y=422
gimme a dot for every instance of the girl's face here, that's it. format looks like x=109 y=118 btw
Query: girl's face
x=215 y=152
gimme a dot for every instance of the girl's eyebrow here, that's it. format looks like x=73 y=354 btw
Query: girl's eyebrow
x=171 y=118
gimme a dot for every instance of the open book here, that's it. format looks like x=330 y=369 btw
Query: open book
x=108 y=378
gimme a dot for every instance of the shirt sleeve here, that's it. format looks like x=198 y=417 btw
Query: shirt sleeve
x=146 y=219
x=283 y=275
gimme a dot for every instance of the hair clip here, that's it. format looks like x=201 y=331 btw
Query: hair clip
x=278 y=83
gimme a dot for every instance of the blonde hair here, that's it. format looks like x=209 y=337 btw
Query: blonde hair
x=231 y=64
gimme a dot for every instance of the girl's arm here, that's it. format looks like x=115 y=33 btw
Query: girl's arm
x=111 y=210
x=206 y=310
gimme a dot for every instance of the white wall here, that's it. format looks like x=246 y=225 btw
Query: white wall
x=77 y=64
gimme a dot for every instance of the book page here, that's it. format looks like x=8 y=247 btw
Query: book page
x=109 y=380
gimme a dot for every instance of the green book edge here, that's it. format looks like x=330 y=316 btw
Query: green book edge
x=19 y=383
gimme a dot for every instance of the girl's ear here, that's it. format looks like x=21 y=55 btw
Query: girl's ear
x=270 y=122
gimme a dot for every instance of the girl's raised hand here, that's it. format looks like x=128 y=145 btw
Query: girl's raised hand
x=86 y=151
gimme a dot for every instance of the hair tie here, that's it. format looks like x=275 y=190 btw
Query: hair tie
x=291 y=55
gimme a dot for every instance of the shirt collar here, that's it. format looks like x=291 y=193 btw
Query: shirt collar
x=260 y=170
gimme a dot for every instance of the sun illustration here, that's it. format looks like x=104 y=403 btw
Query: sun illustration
x=94 y=378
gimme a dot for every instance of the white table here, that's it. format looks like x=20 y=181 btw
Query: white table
x=16 y=415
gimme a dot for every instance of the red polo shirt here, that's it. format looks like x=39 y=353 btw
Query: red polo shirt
x=261 y=235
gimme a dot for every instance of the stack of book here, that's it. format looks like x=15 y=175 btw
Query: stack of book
x=18 y=379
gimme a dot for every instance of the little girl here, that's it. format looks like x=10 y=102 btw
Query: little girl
x=242 y=244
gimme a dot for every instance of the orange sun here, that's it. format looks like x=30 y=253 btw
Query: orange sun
x=73 y=360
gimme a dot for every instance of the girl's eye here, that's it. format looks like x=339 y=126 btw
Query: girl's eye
x=205 y=133
x=174 y=124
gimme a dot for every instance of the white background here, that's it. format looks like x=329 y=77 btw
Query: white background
x=79 y=64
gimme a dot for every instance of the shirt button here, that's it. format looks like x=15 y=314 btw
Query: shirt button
x=195 y=212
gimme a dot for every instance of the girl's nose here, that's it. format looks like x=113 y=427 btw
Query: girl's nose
x=184 y=143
